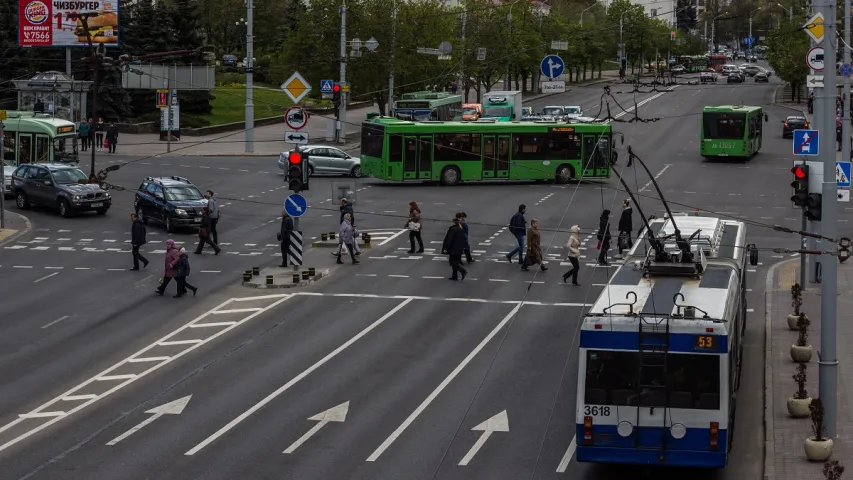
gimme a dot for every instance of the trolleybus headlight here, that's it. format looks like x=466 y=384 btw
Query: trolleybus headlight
x=678 y=431
x=624 y=429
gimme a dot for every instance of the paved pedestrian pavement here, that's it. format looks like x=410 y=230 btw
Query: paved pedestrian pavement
x=15 y=223
x=784 y=456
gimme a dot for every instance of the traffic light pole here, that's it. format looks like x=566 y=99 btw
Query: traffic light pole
x=340 y=129
x=828 y=361
x=249 y=65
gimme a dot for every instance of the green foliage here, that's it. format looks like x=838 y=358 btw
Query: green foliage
x=787 y=48
x=686 y=18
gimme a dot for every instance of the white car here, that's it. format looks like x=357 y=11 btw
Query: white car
x=677 y=69
x=8 y=170
x=553 y=111
x=573 y=111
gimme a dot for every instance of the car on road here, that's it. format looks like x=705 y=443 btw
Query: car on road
x=735 y=78
x=230 y=61
x=794 y=122
x=677 y=69
x=751 y=70
x=58 y=185
x=554 y=111
x=8 y=170
x=172 y=201
x=708 y=75
x=325 y=159
x=573 y=111
x=761 y=77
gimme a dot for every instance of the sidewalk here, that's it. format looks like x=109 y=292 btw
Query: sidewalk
x=782 y=98
x=16 y=224
x=784 y=456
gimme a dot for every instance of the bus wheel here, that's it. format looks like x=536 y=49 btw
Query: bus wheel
x=565 y=173
x=450 y=176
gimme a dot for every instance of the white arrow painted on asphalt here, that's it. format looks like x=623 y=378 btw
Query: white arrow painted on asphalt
x=171 y=408
x=334 y=414
x=498 y=423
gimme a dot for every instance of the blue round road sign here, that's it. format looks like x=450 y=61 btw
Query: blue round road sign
x=552 y=66
x=847 y=69
x=295 y=205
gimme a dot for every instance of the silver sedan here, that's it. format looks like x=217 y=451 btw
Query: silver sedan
x=326 y=159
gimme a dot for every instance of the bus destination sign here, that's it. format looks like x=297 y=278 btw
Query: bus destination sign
x=561 y=130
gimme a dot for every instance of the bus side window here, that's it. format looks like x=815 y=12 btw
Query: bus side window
x=9 y=145
x=395 y=143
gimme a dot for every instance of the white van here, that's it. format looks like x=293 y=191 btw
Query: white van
x=727 y=69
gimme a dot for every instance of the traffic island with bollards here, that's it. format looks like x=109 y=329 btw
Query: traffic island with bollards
x=329 y=241
x=278 y=277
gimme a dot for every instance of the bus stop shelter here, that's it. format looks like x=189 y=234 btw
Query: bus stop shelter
x=54 y=93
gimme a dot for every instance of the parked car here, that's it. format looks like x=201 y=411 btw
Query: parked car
x=172 y=201
x=57 y=185
x=761 y=77
x=792 y=123
x=735 y=78
x=677 y=69
x=8 y=170
x=325 y=159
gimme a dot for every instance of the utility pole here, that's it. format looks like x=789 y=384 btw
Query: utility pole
x=507 y=82
x=95 y=59
x=248 y=65
x=391 y=76
x=169 y=113
x=342 y=111
x=3 y=193
x=622 y=64
x=828 y=363
x=68 y=60
x=460 y=85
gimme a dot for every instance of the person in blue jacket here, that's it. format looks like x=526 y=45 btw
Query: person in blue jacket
x=463 y=219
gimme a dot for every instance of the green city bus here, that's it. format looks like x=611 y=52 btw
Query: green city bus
x=731 y=131
x=30 y=137
x=450 y=152
x=423 y=106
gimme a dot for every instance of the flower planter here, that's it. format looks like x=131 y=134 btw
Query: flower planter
x=799 y=407
x=792 y=321
x=801 y=354
x=818 y=451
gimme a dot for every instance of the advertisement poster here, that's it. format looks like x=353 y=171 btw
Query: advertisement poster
x=57 y=23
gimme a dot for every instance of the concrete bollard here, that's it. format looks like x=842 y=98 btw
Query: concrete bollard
x=312 y=271
x=256 y=271
x=366 y=237
x=247 y=276
x=324 y=236
x=295 y=278
x=332 y=235
x=305 y=275
x=269 y=279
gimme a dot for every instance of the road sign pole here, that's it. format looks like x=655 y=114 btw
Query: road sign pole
x=3 y=187
x=340 y=126
x=295 y=227
x=248 y=64
x=828 y=363
x=845 y=114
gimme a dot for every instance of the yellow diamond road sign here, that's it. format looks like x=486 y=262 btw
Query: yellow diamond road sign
x=814 y=27
x=296 y=87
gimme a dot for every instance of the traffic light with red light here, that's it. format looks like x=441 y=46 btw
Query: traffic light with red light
x=297 y=171
x=800 y=185
x=336 y=95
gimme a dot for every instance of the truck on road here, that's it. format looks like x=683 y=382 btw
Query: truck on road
x=503 y=106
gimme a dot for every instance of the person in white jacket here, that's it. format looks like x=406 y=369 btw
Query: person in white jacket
x=574 y=245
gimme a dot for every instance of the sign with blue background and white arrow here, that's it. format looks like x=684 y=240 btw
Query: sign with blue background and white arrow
x=842 y=174
x=805 y=142
x=552 y=66
x=295 y=205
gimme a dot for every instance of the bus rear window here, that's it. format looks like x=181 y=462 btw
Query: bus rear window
x=726 y=126
x=613 y=378
x=372 y=136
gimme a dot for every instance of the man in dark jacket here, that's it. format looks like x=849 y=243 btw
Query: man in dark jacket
x=463 y=220
x=603 y=237
x=284 y=236
x=518 y=227
x=454 y=247
x=112 y=136
x=626 y=226
x=137 y=239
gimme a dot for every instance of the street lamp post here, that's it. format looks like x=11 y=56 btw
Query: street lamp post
x=790 y=10
x=580 y=22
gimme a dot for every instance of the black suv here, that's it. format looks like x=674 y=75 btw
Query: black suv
x=173 y=201
x=58 y=185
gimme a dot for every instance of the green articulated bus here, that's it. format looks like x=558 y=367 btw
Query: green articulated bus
x=421 y=106
x=731 y=131
x=453 y=152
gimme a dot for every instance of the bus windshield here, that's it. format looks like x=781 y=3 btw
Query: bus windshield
x=724 y=126
x=65 y=149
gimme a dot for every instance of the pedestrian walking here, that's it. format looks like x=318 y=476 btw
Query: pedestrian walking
x=112 y=137
x=347 y=234
x=463 y=220
x=99 y=134
x=284 y=236
x=137 y=239
x=518 y=227
x=534 y=248
x=626 y=227
x=83 y=132
x=574 y=248
x=214 y=214
x=204 y=233
x=347 y=208
x=182 y=271
x=454 y=246
x=603 y=237
x=171 y=260
x=413 y=225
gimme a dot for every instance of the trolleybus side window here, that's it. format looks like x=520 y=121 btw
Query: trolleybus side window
x=457 y=146
x=530 y=146
x=564 y=146
x=371 y=140
x=9 y=145
x=395 y=144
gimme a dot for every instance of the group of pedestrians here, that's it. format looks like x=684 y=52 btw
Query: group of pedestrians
x=176 y=261
x=100 y=135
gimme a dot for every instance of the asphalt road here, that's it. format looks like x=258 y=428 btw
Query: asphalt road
x=383 y=370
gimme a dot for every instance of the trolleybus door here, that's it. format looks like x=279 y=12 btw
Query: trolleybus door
x=503 y=156
x=490 y=157
x=596 y=151
x=43 y=149
x=25 y=148
x=417 y=158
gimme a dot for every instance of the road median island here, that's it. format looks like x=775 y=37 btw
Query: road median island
x=282 y=277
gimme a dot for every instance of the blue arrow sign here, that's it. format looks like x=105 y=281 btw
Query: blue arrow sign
x=326 y=86
x=748 y=40
x=295 y=205
x=806 y=142
x=552 y=66
x=842 y=174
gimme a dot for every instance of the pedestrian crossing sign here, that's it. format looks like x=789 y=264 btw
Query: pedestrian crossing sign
x=326 y=86
x=842 y=174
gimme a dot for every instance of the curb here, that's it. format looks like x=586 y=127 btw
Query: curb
x=769 y=437
x=782 y=105
x=28 y=226
x=320 y=275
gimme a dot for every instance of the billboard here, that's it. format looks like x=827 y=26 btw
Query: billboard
x=56 y=23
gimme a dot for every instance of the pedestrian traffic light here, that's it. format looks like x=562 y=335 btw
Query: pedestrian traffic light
x=297 y=171
x=800 y=185
x=813 y=212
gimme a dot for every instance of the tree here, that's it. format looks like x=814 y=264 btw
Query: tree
x=686 y=17
x=787 y=46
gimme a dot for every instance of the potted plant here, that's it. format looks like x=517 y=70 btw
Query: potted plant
x=798 y=405
x=796 y=302
x=833 y=470
x=817 y=447
x=802 y=351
